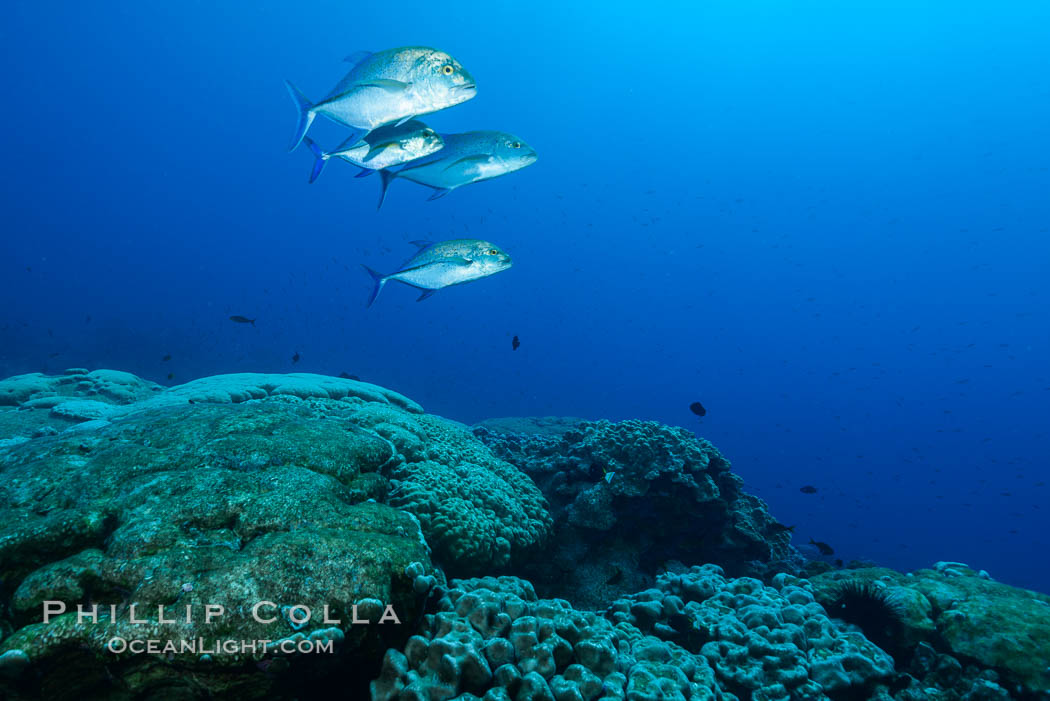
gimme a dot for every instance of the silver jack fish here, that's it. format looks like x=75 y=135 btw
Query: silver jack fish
x=439 y=265
x=388 y=87
x=384 y=147
x=467 y=158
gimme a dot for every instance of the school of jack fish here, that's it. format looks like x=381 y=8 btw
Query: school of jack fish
x=380 y=98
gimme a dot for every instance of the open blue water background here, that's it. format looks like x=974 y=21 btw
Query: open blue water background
x=827 y=221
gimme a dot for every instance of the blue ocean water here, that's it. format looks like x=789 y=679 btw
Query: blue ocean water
x=827 y=222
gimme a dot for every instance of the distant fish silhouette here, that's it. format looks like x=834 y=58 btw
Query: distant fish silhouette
x=698 y=409
x=515 y=343
x=171 y=376
x=808 y=489
x=295 y=358
x=242 y=319
x=824 y=548
x=166 y=358
x=348 y=376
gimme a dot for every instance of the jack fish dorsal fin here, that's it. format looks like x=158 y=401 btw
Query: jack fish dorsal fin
x=421 y=244
x=357 y=57
x=426 y=293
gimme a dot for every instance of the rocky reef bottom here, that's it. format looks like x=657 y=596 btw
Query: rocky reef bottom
x=298 y=536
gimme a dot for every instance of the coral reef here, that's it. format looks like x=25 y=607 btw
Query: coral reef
x=629 y=497
x=229 y=491
x=697 y=634
x=960 y=613
x=478 y=512
x=763 y=642
x=494 y=639
x=344 y=497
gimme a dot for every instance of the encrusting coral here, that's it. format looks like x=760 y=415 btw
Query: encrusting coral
x=629 y=497
x=229 y=491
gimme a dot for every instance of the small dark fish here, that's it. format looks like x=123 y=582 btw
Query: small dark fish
x=348 y=376
x=166 y=358
x=808 y=489
x=782 y=527
x=242 y=319
x=616 y=577
x=295 y=358
x=515 y=343
x=171 y=376
x=824 y=548
x=838 y=562
x=698 y=409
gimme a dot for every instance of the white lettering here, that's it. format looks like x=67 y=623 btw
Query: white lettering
x=296 y=620
x=389 y=615
x=53 y=608
x=82 y=613
x=255 y=612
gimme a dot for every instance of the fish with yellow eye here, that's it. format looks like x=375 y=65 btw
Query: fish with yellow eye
x=466 y=158
x=439 y=265
x=387 y=87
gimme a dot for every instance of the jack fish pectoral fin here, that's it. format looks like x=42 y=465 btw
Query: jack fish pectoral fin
x=391 y=86
x=345 y=90
x=443 y=262
x=426 y=293
x=467 y=160
x=364 y=173
x=421 y=244
x=378 y=149
x=355 y=140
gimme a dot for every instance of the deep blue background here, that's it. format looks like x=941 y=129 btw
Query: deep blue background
x=829 y=225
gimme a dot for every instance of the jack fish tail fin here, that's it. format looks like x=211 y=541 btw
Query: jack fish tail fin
x=378 y=279
x=320 y=158
x=306 y=114
x=386 y=177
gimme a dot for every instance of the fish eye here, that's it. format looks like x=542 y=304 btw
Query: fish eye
x=447 y=69
x=515 y=144
x=493 y=252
